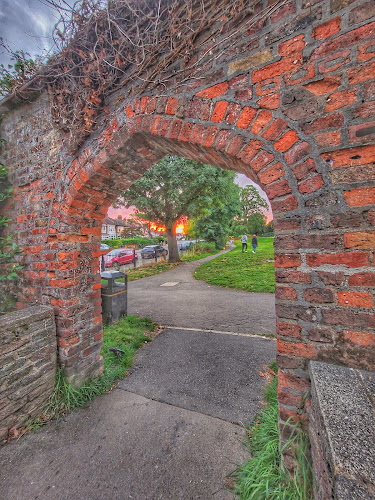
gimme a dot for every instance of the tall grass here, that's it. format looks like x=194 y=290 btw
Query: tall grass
x=263 y=477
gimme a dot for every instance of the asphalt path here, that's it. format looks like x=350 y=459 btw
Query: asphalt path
x=176 y=298
x=172 y=430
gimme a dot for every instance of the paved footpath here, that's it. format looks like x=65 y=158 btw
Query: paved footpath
x=172 y=430
x=176 y=298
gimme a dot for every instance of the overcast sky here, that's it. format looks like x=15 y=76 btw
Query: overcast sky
x=26 y=25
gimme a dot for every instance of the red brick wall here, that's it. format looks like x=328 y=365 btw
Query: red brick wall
x=288 y=100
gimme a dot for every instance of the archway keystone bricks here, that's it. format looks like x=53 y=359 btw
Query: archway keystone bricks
x=290 y=103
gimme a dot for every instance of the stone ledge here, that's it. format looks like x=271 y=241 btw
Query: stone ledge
x=343 y=431
x=28 y=315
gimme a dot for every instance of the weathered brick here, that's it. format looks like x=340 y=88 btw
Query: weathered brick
x=359 y=155
x=278 y=188
x=321 y=334
x=348 y=318
x=219 y=111
x=171 y=106
x=292 y=46
x=269 y=86
x=285 y=293
x=366 y=73
x=350 y=259
x=360 y=197
x=271 y=174
x=327 y=29
x=362 y=13
x=346 y=40
x=332 y=278
x=328 y=139
x=359 y=240
x=302 y=170
x=277 y=68
x=287 y=260
x=365 y=110
x=340 y=99
x=214 y=91
x=246 y=117
x=334 y=61
x=323 y=86
x=365 y=339
x=330 y=121
x=355 y=299
x=289 y=329
x=233 y=112
x=297 y=349
x=285 y=205
x=286 y=141
x=362 y=279
x=311 y=185
x=297 y=152
x=261 y=160
x=318 y=295
x=269 y=101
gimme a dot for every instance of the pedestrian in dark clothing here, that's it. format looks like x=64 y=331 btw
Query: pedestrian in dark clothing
x=254 y=242
x=244 y=243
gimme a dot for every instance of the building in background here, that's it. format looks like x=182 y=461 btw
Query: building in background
x=120 y=228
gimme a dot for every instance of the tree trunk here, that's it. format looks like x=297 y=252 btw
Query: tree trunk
x=173 y=255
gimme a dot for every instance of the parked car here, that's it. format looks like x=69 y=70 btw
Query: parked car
x=104 y=246
x=119 y=257
x=184 y=245
x=149 y=252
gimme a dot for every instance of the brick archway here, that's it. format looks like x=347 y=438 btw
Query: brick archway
x=293 y=110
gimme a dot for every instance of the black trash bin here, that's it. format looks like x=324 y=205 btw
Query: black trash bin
x=114 y=296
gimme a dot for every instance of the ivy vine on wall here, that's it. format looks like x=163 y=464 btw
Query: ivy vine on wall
x=9 y=249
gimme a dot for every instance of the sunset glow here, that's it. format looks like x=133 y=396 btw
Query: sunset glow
x=180 y=227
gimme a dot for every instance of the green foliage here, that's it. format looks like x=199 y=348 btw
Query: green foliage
x=177 y=187
x=216 y=224
x=262 y=477
x=252 y=218
x=139 y=241
x=8 y=249
x=243 y=271
x=129 y=334
x=16 y=74
x=199 y=251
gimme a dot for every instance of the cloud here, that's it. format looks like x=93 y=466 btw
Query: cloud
x=26 y=25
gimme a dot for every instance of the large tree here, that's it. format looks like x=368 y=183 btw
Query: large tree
x=216 y=224
x=252 y=218
x=175 y=187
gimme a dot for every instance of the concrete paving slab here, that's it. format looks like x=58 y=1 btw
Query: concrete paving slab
x=194 y=303
x=214 y=374
x=124 y=447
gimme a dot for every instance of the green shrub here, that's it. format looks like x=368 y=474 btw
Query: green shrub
x=139 y=241
x=199 y=251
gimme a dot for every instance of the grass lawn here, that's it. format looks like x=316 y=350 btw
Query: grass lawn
x=150 y=270
x=262 y=477
x=243 y=271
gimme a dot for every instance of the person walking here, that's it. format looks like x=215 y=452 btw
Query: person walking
x=254 y=242
x=244 y=243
